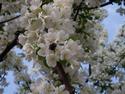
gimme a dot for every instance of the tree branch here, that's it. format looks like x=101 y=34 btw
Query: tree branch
x=80 y=5
x=9 y=19
x=10 y=46
x=103 y=5
x=64 y=79
x=77 y=10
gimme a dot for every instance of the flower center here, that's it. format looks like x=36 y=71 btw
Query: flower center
x=52 y=46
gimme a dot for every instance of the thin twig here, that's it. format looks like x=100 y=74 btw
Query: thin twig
x=80 y=5
x=2 y=77
x=9 y=19
x=103 y=5
x=77 y=10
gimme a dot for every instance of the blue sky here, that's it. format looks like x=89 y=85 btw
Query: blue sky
x=11 y=87
x=112 y=23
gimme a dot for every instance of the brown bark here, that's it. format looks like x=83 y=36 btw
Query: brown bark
x=64 y=78
x=10 y=46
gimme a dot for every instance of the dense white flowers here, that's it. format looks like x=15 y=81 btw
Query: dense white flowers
x=44 y=86
x=48 y=35
x=51 y=41
x=34 y=4
x=50 y=32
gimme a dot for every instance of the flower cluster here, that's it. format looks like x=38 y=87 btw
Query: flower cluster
x=49 y=29
x=44 y=86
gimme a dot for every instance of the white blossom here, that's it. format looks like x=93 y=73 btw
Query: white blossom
x=34 y=4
